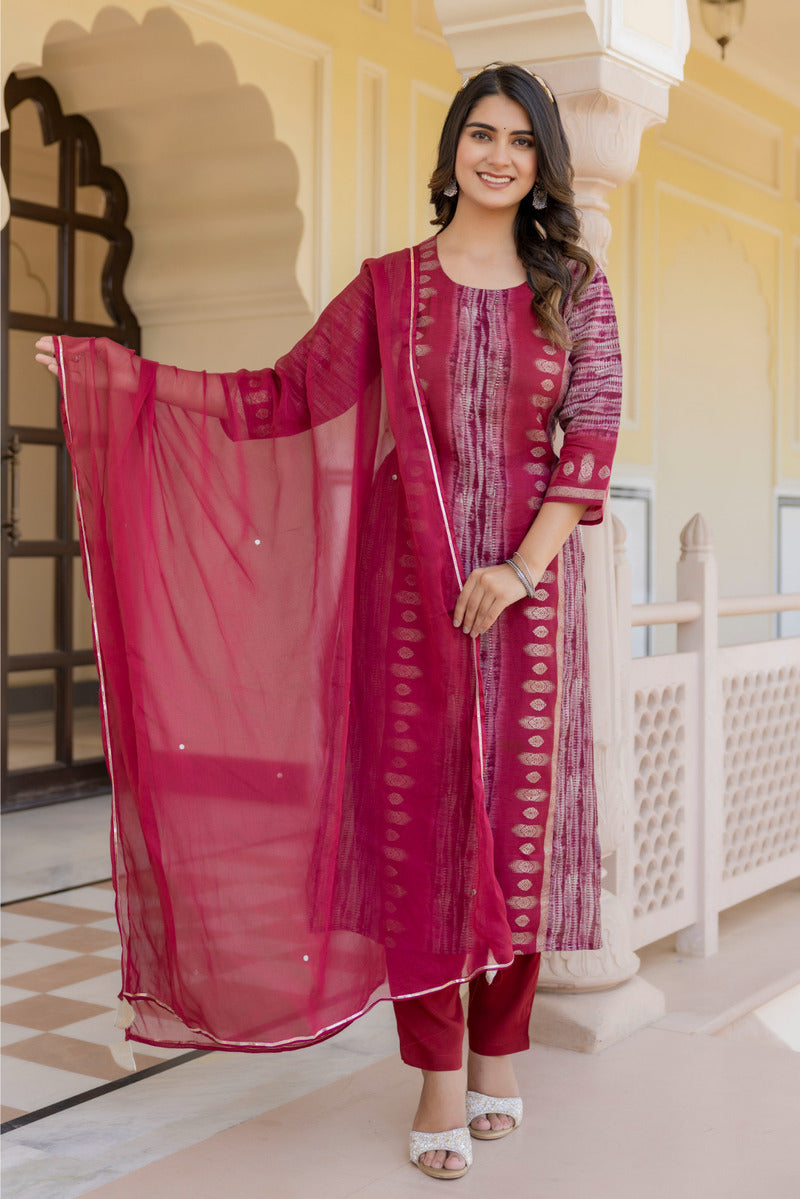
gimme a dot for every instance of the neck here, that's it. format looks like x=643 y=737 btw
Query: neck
x=479 y=233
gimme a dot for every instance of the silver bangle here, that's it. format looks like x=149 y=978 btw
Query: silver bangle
x=525 y=582
x=524 y=567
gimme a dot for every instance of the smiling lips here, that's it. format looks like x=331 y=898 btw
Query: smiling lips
x=494 y=180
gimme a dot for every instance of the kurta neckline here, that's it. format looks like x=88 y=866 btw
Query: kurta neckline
x=468 y=286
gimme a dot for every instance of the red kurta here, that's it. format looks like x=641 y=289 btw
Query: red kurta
x=311 y=811
x=494 y=387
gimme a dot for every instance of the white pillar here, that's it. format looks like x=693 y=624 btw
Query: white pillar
x=610 y=64
x=604 y=133
x=697 y=580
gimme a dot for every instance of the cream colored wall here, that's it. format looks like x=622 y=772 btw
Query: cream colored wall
x=705 y=268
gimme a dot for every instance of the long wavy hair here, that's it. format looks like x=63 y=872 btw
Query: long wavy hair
x=546 y=239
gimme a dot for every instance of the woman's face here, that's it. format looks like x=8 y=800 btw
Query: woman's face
x=496 y=154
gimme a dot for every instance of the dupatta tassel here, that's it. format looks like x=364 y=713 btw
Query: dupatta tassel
x=122 y=1051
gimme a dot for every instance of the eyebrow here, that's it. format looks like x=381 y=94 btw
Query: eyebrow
x=492 y=128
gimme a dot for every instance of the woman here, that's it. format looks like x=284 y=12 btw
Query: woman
x=341 y=638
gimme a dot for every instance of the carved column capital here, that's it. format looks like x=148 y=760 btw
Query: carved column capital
x=604 y=133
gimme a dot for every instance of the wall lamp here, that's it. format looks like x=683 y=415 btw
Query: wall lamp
x=722 y=19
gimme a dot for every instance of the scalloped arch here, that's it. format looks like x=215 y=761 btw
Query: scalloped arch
x=212 y=191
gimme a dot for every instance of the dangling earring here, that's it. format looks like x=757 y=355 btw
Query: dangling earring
x=452 y=188
x=538 y=196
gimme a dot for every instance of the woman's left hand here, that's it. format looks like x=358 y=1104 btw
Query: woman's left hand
x=487 y=592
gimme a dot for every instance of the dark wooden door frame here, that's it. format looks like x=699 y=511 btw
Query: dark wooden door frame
x=80 y=165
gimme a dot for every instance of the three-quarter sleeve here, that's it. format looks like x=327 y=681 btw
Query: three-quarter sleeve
x=590 y=411
x=319 y=379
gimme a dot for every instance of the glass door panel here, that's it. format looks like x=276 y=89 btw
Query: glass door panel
x=34 y=166
x=87 y=741
x=56 y=245
x=31 y=605
x=32 y=267
x=33 y=393
x=31 y=719
x=36 y=468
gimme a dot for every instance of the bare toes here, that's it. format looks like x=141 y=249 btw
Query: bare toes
x=437 y=1159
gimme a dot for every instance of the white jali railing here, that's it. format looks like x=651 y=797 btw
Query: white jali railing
x=713 y=756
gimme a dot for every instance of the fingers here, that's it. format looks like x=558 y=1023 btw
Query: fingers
x=469 y=601
x=478 y=607
x=486 y=593
x=49 y=362
x=46 y=356
x=486 y=617
x=463 y=599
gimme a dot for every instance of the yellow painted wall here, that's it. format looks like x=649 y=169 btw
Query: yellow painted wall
x=267 y=149
x=357 y=95
x=705 y=267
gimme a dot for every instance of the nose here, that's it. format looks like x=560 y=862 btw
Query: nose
x=499 y=154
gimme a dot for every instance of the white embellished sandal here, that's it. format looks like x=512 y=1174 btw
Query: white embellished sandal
x=482 y=1105
x=455 y=1141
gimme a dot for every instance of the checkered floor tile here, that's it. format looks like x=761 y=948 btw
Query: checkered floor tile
x=60 y=965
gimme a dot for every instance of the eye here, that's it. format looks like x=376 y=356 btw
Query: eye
x=479 y=134
x=526 y=142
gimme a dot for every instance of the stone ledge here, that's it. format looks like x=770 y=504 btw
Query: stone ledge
x=594 y=1020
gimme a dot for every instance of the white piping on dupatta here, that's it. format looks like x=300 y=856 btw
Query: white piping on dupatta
x=87 y=559
x=125 y=1012
x=121 y=1052
x=435 y=474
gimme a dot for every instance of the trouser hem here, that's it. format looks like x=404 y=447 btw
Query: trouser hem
x=501 y=1050
x=428 y=1061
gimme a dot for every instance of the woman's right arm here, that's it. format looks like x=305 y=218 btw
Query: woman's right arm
x=321 y=377
x=194 y=391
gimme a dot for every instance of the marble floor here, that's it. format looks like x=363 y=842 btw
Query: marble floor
x=60 y=968
x=705 y=1102
x=52 y=848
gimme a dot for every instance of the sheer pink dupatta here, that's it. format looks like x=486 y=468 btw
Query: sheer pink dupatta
x=240 y=571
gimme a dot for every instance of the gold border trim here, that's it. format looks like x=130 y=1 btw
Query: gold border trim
x=300 y=1042
x=98 y=655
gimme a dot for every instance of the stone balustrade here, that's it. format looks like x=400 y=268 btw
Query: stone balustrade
x=713 y=758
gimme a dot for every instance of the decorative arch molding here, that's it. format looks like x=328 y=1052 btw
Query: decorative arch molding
x=756 y=243
x=715 y=352
x=213 y=192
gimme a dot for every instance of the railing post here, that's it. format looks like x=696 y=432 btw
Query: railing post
x=622 y=882
x=697 y=580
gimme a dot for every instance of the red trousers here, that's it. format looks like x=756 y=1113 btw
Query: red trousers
x=431 y=1027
